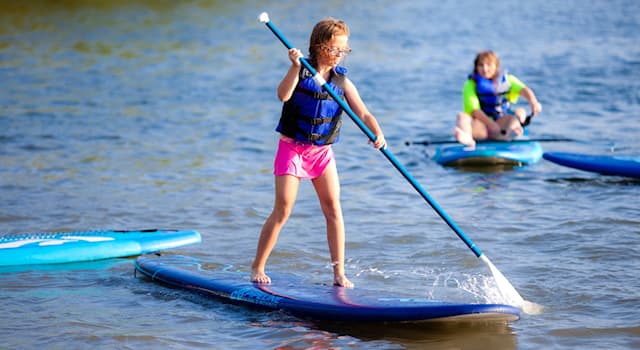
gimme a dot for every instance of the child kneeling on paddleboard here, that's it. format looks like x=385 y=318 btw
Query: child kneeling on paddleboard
x=309 y=124
x=487 y=96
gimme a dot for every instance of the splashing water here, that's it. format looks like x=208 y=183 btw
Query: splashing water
x=478 y=289
x=509 y=293
x=465 y=288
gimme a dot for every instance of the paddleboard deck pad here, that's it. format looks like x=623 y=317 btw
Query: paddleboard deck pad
x=319 y=302
x=602 y=164
x=515 y=153
x=65 y=247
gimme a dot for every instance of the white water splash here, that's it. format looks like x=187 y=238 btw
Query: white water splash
x=509 y=293
x=462 y=287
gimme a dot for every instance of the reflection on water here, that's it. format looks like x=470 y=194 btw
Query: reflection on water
x=440 y=335
x=486 y=169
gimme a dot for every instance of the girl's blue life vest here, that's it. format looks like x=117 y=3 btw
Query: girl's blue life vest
x=311 y=115
x=493 y=96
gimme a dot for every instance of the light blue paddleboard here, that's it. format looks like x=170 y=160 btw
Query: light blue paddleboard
x=518 y=152
x=319 y=302
x=603 y=164
x=65 y=247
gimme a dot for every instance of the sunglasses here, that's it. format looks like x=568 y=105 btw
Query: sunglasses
x=334 y=51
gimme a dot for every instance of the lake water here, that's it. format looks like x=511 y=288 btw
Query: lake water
x=131 y=115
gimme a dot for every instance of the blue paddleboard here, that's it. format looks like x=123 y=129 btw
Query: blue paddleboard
x=65 y=247
x=517 y=152
x=318 y=302
x=603 y=164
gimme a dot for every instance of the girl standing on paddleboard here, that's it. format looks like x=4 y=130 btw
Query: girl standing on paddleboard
x=309 y=124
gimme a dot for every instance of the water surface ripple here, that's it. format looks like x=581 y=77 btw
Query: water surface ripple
x=148 y=114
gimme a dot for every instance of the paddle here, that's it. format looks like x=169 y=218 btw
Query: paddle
x=444 y=142
x=526 y=122
x=507 y=290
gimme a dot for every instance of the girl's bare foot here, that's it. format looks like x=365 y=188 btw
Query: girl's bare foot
x=464 y=137
x=342 y=281
x=260 y=277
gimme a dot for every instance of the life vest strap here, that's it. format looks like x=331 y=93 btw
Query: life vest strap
x=318 y=121
x=315 y=94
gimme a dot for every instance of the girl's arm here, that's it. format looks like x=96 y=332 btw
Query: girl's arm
x=290 y=80
x=530 y=96
x=360 y=109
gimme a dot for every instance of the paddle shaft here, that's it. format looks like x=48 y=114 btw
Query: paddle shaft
x=445 y=142
x=320 y=81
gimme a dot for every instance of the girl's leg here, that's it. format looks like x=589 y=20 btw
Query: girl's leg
x=327 y=187
x=512 y=123
x=464 y=131
x=521 y=114
x=479 y=130
x=285 y=196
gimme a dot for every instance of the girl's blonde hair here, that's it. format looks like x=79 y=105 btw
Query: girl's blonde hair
x=323 y=32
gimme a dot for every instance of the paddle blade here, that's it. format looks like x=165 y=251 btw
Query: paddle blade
x=511 y=295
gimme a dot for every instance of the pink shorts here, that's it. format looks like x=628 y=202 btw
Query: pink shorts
x=304 y=161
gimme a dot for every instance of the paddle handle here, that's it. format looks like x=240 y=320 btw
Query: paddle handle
x=264 y=18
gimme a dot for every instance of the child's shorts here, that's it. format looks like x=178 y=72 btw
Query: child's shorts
x=302 y=160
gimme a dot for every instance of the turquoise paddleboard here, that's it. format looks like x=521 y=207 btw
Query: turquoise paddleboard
x=519 y=152
x=65 y=247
